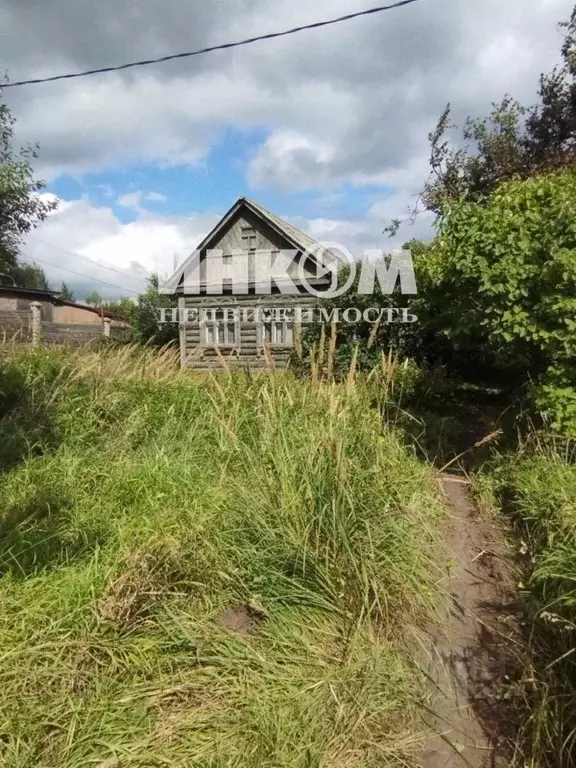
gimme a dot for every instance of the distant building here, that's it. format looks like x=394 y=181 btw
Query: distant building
x=61 y=321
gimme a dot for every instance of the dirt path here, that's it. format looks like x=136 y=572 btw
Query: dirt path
x=471 y=654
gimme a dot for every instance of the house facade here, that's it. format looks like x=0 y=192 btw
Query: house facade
x=257 y=325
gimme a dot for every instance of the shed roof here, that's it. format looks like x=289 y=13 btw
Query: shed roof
x=53 y=297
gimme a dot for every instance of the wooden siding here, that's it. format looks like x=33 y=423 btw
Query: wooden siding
x=235 y=240
x=241 y=238
x=249 y=352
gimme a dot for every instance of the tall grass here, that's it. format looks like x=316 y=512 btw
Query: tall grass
x=140 y=504
x=537 y=487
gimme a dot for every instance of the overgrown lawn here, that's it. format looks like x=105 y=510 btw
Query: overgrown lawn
x=141 y=508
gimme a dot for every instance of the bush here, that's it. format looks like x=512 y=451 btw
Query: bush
x=556 y=400
x=515 y=253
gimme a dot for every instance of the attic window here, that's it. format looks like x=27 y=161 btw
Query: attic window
x=248 y=239
x=227 y=258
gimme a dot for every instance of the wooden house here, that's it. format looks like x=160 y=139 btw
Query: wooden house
x=251 y=327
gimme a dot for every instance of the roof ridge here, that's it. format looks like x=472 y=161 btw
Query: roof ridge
x=303 y=242
x=289 y=229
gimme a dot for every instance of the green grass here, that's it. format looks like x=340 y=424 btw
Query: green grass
x=137 y=503
x=536 y=487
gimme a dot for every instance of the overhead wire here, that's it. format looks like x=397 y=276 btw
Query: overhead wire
x=79 y=274
x=211 y=48
x=84 y=258
x=171 y=57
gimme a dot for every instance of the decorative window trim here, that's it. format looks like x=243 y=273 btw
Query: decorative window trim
x=276 y=333
x=220 y=332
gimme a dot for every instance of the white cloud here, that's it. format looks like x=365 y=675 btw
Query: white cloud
x=155 y=197
x=89 y=248
x=367 y=232
x=131 y=200
x=293 y=160
x=135 y=200
x=346 y=105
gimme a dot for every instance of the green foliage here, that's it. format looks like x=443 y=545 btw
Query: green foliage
x=556 y=398
x=512 y=142
x=147 y=325
x=157 y=505
x=365 y=341
x=509 y=272
x=490 y=152
x=537 y=488
x=497 y=287
x=143 y=314
x=431 y=342
x=94 y=299
x=126 y=307
x=25 y=419
x=27 y=275
x=66 y=293
x=21 y=208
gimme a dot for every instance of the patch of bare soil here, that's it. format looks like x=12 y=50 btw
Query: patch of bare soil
x=473 y=653
x=240 y=619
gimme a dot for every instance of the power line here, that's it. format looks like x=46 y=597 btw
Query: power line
x=210 y=49
x=84 y=258
x=81 y=274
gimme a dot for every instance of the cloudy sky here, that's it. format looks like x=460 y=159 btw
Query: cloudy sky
x=327 y=128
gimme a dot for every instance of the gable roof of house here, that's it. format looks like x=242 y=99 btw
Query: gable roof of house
x=300 y=239
x=294 y=236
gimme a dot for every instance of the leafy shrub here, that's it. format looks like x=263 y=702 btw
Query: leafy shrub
x=509 y=269
x=556 y=400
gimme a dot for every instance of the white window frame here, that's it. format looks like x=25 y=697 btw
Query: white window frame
x=219 y=331
x=280 y=331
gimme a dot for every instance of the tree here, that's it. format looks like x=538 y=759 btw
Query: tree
x=66 y=293
x=25 y=275
x=551 y=124
x=94 y=299
x=125 y=307
x=147 y=325
x=21 y=208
